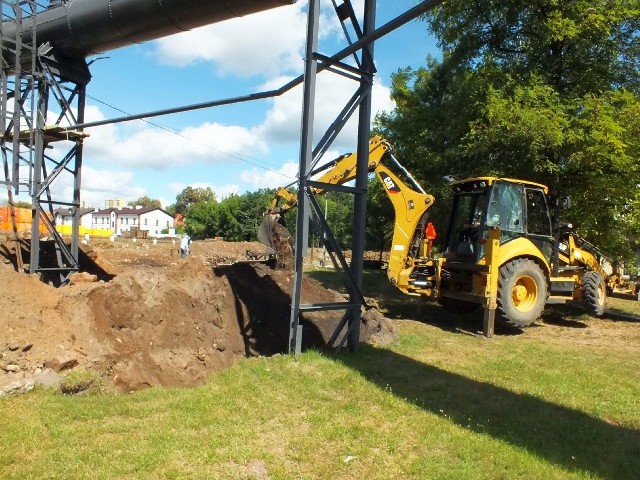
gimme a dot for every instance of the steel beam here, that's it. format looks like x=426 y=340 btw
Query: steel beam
x=362 y=171
x=361 y=101
x=78 y=28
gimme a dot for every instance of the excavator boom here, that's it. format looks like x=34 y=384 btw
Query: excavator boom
x=338 y=172
x=411 y=267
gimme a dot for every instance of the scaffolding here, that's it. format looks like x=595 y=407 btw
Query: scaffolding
x=41 y=96
x=360 y=38
x=17 y=109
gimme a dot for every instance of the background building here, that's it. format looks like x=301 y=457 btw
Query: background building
x=122 y=221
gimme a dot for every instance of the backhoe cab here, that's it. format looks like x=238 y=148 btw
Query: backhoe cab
x=527 y=266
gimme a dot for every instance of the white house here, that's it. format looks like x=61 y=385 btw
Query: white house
x=63 y=216
x=120 y=220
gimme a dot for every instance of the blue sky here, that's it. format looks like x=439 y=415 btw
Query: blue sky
x=232 y=149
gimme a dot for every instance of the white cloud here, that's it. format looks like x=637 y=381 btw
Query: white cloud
x=272 y=50
x=259 y=178
x=176 y=187
x=265 y=44
x=261 y=44
x=139 y=144
x=283 y=120
x=148 y=146
x=224 y=191
x=98 y=186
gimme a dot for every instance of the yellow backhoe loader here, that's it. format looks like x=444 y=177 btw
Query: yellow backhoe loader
x=500 y=252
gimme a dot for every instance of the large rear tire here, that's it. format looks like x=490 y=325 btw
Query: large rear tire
x=594 y=293
x=522 y=292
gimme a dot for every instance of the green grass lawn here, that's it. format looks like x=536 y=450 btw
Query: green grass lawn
x=559 y=400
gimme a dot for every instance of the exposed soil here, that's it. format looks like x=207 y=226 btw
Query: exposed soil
x=142 y=316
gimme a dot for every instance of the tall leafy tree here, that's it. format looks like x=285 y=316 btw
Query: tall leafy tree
x=228 y=221
x=251 y=211
x=235 y=218
x=380 y=217
x=190 y=196
x=546 y=90
x=202 y=220
x=19 y=204
x=147 y=202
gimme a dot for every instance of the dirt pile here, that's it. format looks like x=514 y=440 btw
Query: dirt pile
x=161 y=320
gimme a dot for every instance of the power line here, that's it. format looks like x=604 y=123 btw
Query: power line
x=253 y=160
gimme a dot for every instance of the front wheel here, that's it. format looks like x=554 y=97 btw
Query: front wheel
x=594 y=293
x=522 y=292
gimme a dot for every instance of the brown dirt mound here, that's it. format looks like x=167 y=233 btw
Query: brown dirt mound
x=162 y=320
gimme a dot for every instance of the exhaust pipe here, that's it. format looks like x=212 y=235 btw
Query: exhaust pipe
x=78 y=28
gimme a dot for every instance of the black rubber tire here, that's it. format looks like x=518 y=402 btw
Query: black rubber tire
x=522 y=292
x=594 y=293
x=458 y=307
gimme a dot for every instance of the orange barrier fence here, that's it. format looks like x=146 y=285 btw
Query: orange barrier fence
x=23 y=220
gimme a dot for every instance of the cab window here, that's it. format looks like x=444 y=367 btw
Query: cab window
x=538 y=221
x=506 y=209
x=466 y=221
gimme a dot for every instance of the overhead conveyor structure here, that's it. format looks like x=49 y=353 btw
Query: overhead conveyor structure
x=79 y=28
x=45 y=72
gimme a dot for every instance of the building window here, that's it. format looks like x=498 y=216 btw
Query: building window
x=145 y=221
x=157 y=222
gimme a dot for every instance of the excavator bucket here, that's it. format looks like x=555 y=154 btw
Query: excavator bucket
x=264 y=231
x=278 y=241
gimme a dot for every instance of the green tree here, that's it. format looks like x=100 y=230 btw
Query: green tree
x=380 y=218
x=191 y=196
x=340 y=217
x=251 y=211
x=202 y=220
x=228 y=220
x=547 y=91
x=235 y=218
x=147 y=202
x=19 y=204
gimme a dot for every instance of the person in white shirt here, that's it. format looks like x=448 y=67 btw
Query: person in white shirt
x=184 y=246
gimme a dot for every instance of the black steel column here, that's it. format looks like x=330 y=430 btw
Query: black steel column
x=306 y=154
x=38 y=165
x=360 y=198
x=77 y=177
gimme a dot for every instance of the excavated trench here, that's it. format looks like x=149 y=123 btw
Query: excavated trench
x=142 y=317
